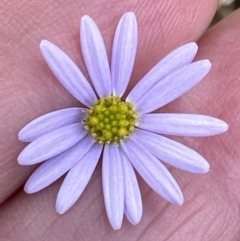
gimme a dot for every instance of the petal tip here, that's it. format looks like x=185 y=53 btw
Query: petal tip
x=130 y=17
x=190 y=47
x=61 y=206
x=225 y=127
x=221 y=126
x=202 y=167
x=86 y=19
x=203 y=63
x=180 y=201
x=23 y=158
x=207 y=63
x=60 y=211
x=86 y=16
x=205 y=168
x=44 y=43
x=116 y=226
x=136 y=220
x=20 y=136
x=193 y=45
x=202 y=66
x=130 y=14
x=28 y=189
x=31 y=186
x=20 y=160
x=135 y=217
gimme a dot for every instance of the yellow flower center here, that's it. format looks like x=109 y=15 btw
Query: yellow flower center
x=111 y=120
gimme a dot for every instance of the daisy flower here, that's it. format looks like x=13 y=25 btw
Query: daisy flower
x=123 y=130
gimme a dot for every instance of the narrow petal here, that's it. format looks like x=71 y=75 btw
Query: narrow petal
x=182 y=124
x=177 y=59
x=113 y=185
x=152 y=171
x=133 y=199
x=55 y=167
x=172 y=152
x=172 y=86
x=68 y=73
x=50 y=122
x=51 y=144
x=95 y=57
x=77 y=179
x=123 y=53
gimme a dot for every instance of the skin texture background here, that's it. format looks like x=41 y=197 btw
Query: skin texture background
x=29 y=89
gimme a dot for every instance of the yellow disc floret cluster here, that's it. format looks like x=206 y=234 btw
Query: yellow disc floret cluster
x=111 y=120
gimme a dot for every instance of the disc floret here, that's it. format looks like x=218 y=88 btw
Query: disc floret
x=111 y=120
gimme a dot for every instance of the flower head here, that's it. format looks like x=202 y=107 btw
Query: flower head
x=72 y=140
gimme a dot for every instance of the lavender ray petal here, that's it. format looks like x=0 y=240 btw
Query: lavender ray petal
x=51 y=144
x=50 y=122
x=172 y=152
x=177 y=59
x=67 y=72
x=152 y=171
x=182 y=124
x=77 y=179
x=57 y=166
x=113 y=185
x=133 y=199
x=95 y=57
x=172 y=86
x=123 y=53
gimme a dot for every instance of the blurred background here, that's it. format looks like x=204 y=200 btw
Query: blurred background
x=225 y=7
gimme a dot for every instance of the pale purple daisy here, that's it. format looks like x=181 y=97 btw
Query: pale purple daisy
x=124 y=131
